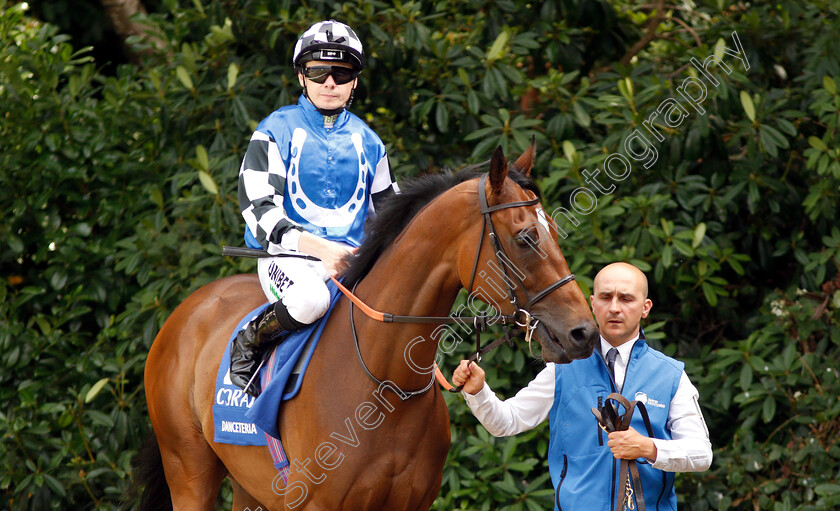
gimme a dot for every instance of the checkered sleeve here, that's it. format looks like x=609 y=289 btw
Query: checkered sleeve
x=384 y=185
x=262 y=179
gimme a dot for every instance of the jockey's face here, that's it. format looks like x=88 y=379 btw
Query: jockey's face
x=327 y=95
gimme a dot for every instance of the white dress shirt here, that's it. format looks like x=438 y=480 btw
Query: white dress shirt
x=689 y=449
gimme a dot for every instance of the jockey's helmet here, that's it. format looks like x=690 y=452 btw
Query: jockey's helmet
x=329 y=41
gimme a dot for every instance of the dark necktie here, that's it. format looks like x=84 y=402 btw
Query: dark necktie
x=611 y=361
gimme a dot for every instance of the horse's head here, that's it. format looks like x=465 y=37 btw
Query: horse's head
x=525 y=259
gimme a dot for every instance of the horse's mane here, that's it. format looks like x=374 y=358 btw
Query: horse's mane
x=395 y=212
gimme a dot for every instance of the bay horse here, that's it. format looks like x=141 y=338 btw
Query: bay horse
x=354 y=443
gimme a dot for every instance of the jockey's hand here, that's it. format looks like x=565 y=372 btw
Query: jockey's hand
x=630 y=445
x=470 y=375
x=330 y=253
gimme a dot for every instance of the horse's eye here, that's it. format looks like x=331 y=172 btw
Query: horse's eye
x=526 y=239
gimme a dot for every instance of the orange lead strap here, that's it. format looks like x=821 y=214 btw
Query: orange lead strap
x=442 y=379
x=373 y=314
x=379 y=316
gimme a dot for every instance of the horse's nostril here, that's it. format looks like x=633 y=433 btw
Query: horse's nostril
x=582 y=335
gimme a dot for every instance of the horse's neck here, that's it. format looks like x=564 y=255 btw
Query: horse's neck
x=417 y=276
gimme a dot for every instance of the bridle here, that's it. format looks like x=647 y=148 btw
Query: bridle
x=522 y=317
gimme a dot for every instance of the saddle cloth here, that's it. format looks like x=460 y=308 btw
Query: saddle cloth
x=241 y=419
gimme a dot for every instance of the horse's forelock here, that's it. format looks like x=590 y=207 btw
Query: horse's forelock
x=524 y=182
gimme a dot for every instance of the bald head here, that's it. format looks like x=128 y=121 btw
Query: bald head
x=626 y=272
x=619 y=301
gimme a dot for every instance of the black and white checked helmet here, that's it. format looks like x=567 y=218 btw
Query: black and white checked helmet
x=329 y=40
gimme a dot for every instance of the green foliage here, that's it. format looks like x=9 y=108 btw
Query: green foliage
x=119 y=188
x=110 y=224
x=775 y=395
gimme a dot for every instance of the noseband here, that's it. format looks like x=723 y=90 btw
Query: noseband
x=522 y=318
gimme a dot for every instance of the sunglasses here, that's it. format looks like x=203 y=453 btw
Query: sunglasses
x=319 y=74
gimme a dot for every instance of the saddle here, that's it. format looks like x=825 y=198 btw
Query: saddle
x=610 y=420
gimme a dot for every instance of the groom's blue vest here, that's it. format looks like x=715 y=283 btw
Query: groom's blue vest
x=583 y=470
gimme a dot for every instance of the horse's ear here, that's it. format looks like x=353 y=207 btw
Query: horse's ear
x=498 y=170
x=525 y=163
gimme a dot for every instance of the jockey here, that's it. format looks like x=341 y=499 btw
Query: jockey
x=312 y=174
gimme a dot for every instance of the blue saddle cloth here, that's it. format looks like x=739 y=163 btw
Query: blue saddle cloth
x=243 y=420
x=230 y=426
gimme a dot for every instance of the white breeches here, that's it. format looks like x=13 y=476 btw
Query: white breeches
x=299 y=283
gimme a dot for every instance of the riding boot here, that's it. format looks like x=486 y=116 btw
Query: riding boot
x=247 y=349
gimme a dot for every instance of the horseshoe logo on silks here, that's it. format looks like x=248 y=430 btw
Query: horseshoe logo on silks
x=312 y=212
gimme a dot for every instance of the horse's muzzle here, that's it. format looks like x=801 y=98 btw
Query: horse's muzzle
x=576 y=343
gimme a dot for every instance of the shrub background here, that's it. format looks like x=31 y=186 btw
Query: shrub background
x=118 y=180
